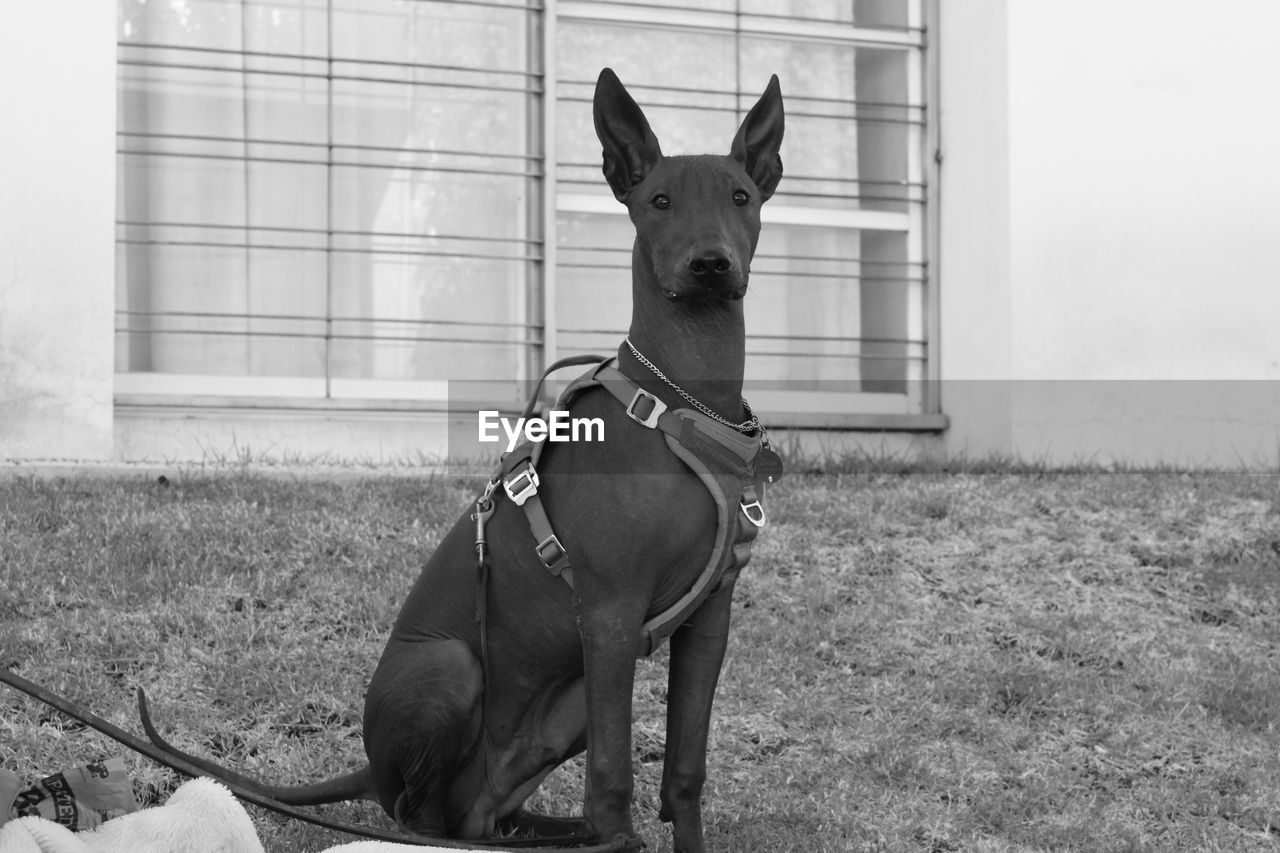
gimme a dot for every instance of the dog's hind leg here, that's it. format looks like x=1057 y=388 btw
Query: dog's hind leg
x=553 y=730
x=421 y=722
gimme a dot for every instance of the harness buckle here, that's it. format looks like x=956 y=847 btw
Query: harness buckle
x=551 y=552
x=522 y=486
x=754 y=512
x=645 y=408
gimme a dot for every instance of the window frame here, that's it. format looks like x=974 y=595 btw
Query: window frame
x=917 y=410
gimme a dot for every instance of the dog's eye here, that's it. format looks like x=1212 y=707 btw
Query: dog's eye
x=661 y=202
x=740 y=198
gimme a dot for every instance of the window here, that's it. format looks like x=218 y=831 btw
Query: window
x=371 y=199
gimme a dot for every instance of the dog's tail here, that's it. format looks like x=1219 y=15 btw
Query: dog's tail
x=357 y=785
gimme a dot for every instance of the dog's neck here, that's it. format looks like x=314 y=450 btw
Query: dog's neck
x=700 y=346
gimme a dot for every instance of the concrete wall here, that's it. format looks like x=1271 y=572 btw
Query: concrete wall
x=57 y=252
x=229 y=436
x=1112 y=228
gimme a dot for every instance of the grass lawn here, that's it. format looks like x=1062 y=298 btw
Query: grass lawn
x=1000 y=660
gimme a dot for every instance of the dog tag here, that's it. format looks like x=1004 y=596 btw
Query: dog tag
x=768 y=465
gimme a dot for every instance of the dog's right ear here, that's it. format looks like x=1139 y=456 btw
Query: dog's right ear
x=630 y=148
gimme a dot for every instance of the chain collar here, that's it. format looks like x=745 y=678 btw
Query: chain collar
x=750 y=425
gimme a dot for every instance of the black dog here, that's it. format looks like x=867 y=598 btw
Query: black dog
x=465 y=717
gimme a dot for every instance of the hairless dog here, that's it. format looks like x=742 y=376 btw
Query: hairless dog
x=464 y=717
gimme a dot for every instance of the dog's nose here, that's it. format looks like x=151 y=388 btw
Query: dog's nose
x=710 y=263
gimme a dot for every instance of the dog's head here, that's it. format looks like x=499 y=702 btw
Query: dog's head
x=697 y=217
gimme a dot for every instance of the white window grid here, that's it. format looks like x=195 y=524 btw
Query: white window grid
x=917 y=408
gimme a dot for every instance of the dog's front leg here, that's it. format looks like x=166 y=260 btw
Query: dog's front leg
x=697 y=652
x=610 y=634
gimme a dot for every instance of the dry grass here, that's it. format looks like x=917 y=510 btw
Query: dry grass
x=995 y=659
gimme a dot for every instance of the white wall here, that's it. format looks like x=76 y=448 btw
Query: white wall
x=1146 y=208
x=972 y=268
x=57 y=211
x=1143 y=205
x=1109 y=203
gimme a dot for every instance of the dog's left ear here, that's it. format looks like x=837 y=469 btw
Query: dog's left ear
x=758 y=140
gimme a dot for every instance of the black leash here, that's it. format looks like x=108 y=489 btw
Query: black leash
x=483 y=509
x=142 y=747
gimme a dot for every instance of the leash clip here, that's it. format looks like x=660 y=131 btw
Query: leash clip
x=522 y=486
x=642 y=400
x=484 y=509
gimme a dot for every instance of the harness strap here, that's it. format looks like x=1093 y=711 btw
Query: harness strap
x=569 y=361
x=730 y=553
x=641 y=406
x=723 y=459
x=520 y=481
x=518 y=473
x=519 y=469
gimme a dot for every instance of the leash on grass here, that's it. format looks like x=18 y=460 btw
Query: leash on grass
x=145 y=748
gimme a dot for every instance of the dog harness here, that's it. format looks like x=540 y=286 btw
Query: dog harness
x=732 y=466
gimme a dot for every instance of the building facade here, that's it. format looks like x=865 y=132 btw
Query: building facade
x=313 y=229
